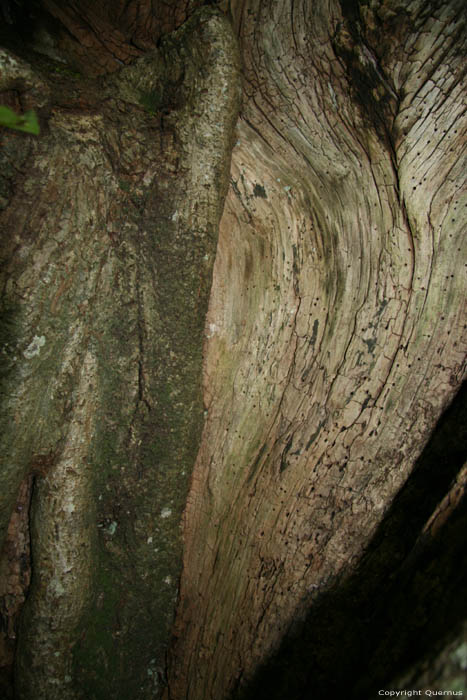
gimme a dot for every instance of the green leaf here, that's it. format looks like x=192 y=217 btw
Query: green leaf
x=22 y=122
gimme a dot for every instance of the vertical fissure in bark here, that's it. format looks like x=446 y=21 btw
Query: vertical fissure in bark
x=110 y=264
x=15 y=577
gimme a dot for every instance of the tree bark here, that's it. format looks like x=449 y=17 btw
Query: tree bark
x=290 y=425
x=337 y=316
x=109 y=237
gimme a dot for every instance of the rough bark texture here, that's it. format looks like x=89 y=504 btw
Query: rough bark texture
x=335 y=339
x=337 y=317
x=109 y=225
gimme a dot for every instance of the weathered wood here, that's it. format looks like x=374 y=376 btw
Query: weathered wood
x=336 y=330
x=334 y=340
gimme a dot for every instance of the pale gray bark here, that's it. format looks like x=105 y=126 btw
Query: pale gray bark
x=337 y=316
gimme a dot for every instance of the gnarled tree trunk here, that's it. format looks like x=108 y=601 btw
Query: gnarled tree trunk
x=334 y=341
x=337 y=316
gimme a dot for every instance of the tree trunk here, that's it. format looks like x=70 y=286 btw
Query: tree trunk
x=337 y=317
x=334 y=341
x=109 y=238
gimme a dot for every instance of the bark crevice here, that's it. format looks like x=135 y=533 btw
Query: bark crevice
x=109 y=264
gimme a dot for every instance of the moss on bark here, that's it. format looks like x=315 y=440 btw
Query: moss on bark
x=110 y=273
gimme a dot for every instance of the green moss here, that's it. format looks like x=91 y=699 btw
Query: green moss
x=125 y=186
x=68 y=72
x=152 y=100
x=135 y=303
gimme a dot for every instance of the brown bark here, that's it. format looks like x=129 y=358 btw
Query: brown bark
x=100 y=36
x=109 y=227
x=334 y=341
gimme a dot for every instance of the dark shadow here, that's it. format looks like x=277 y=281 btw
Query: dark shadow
x=8 y=364
x=406 y=600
